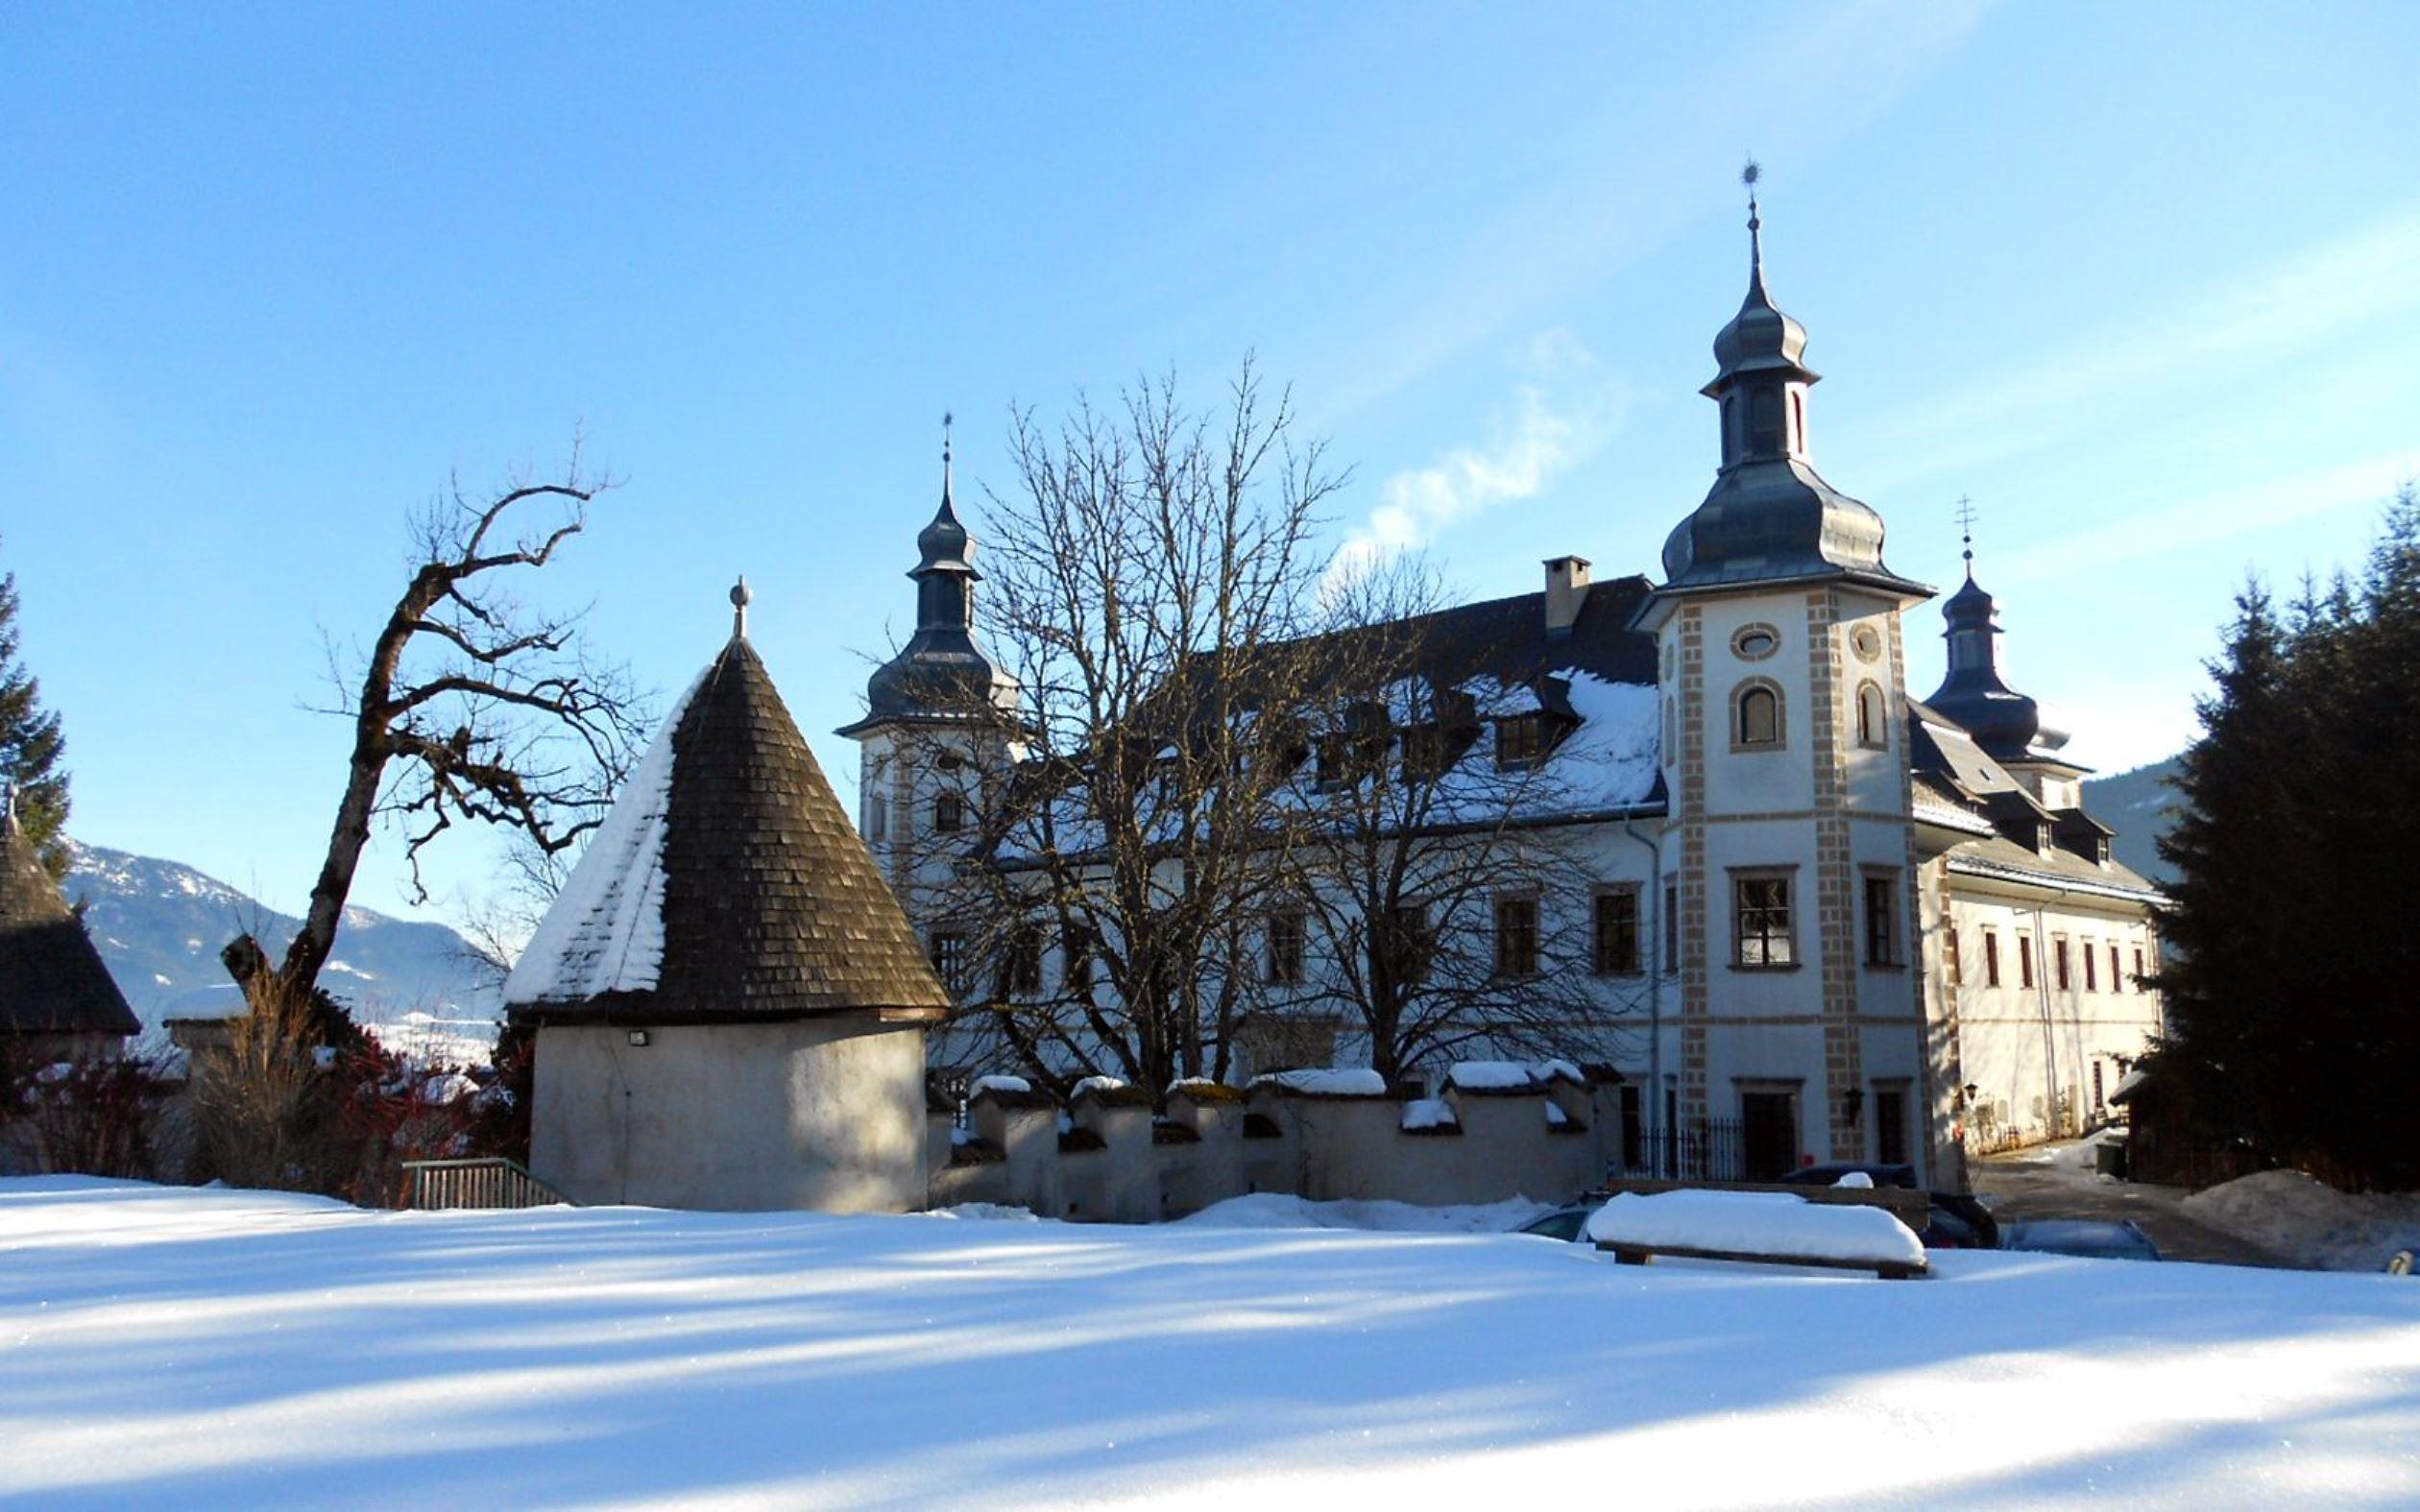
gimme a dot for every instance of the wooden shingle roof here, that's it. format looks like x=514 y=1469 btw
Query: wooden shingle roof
x=51 y=980
x=772 y=908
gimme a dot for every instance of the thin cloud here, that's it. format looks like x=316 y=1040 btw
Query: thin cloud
x=1556 y=419
x=2213 y=517
x=2347 y=283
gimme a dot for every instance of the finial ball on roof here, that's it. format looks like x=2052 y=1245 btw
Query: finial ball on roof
x=741 y=595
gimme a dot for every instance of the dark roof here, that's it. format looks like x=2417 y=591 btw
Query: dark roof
x=1952 y=768
x=1507 y=638
x=772 y=906
x=51 y=978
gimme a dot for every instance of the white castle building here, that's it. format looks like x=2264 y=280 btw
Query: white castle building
x=1841 y=923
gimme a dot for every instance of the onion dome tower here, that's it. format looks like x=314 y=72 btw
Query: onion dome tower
x=53 y=988
x=942 y=673
x=2005 y=723
x=1770 y=515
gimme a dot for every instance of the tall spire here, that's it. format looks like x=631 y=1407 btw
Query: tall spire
x=1749 y=176
x=948 y=504
x=943 y=672
x=1770 y=515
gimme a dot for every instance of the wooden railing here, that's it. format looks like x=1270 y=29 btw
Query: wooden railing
x=492 y=1182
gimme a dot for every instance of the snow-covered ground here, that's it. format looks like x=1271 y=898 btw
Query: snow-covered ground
x=234 y=1349
x=2310 y=1223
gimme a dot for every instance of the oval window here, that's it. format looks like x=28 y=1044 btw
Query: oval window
x=1756 y=642
x=1868 y=640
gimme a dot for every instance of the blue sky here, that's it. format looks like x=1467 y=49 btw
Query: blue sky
x=2140 y=279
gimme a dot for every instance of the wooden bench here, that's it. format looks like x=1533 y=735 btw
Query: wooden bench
x=1910 y=1206
x=1642 y=1253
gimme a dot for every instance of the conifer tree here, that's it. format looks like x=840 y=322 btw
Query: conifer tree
x=30 y=748
x=2294 y=1022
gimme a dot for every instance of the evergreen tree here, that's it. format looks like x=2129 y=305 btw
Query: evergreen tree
x=2295 y=1023
x=30 y=748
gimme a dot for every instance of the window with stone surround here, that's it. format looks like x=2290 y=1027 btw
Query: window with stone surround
x=1517 y=936
x=1756 y=717
x=1991 y=958
x=1881 y=918
x=2025 y=959
x=1874 y=723
x=1762 y=925
x=1615 y=936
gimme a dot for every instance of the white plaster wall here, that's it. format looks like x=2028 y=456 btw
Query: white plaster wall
x=2030 y=1052
x=825 y=1114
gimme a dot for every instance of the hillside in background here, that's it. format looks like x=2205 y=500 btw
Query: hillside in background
x=160 y=927
x=2141 y=806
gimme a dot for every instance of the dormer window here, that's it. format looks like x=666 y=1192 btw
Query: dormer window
x=1425 y=757
x=1520 y=743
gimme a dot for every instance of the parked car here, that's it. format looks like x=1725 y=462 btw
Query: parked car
x=1958 y=1221
x=2092 y=1239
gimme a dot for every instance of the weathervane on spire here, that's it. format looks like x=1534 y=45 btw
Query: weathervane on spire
x=1966 y=532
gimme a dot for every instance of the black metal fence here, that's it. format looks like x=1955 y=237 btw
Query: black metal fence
x=1696 y=1149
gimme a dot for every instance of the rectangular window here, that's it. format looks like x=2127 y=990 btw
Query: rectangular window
x=1616 y=951
x=2117 y=982
x=2059 y=961
x=1991 y=958
x=949 y=813
x=1075 y=957
x=2092 y=969
x=1760 y=922
x=1952 y=970
x=1423 y=754
x=948 y=959
x=1286 y=930
x=1407 y=954
x=1672 y=927
x=1021 y=962
x=1881 y=922
x=877 y=818
x=2137 y=958
x=2025 y=959
x=1517 y=936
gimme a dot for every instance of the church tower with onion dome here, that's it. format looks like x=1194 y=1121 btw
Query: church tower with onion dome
x=1787 y=867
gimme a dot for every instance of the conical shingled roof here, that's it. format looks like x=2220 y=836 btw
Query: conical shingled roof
x=770 y=905
x=51 y=978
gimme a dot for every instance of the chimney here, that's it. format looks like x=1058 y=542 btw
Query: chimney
x=1566 y=589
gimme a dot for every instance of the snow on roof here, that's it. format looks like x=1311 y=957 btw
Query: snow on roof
x=1330 y=1081
x=1756 y=1223
x=604 y=933
x=1510 y=1076
x=211 y=1004
x=1016 y=1085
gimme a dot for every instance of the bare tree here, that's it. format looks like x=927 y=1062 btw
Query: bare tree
x=471 y=706
x=1436 y=875
x=1141 y=573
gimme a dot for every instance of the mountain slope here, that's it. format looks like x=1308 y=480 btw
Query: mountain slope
x=2141 y=806
x=160 y=927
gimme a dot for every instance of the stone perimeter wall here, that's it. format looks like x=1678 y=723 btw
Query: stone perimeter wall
x=1322 y=1147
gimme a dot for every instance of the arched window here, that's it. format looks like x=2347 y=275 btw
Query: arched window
x=1764 y=421
x=877 y=818
x=1756 y=717
x=1873 y=731
x=1798 y=420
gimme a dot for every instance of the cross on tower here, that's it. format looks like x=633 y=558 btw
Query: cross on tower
x=1966 y=530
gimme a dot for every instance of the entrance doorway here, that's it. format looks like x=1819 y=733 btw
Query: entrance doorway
x=1769 y=1134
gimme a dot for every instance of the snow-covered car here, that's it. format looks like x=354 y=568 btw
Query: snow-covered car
x=2092 y=1239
